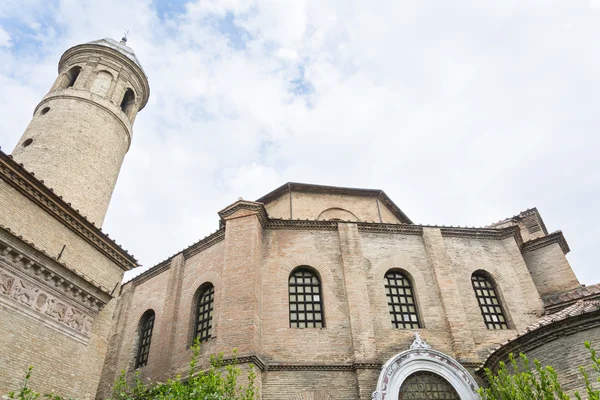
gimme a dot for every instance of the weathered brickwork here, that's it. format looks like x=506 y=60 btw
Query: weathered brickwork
x=550 y=270
x=79 y=134
x=558 y=340
x=566 y=354
x=59 y=273
x=25 y=218
x=250 y=269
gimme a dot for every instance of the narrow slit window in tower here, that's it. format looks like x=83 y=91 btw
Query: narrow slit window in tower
x=127 y=102
x=73 y=74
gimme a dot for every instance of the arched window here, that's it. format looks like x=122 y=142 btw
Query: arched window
x=145 y=336
x=102 y=83
x=127 y=102
x=401 y=301
x=204 y=312
x=489 y=302
x=72 y=75
x=306 y=301
x=68 y=79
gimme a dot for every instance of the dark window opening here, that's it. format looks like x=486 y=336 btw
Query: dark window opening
x=44 y=110
x=127 y=102
x=204 y=313
x=306 y=302
x=73 y=75
x=489 y=303
x=146 y=329
x=27 y=142
x=401 y=301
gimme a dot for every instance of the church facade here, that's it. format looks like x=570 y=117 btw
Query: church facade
x=329 y=292
x=321 y=287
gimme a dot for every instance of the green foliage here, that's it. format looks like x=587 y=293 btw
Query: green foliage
x=526 y=382
x=218 y=382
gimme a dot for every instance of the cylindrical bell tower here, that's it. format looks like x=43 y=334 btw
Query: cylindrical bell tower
x=82 y=129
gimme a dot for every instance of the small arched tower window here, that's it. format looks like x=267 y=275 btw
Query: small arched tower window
x=102 y=83
x=306 y=301
x=72 y=76
x=69 y=78
x=145 y=337
x=489 y=302
x=127 y=102
x=401 y=301
x=204 y=312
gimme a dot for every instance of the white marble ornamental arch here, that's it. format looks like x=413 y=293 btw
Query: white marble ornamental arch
x=421 y=357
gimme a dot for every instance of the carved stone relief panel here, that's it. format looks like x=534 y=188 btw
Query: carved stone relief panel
x=22 y=292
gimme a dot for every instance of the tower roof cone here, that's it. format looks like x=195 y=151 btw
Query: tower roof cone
x=121 y=47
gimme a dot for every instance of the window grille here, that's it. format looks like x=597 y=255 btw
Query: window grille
x=306 y=302
x=401 y=301
x=423 y=385
x=204 y=313
x=147 y=326
x=489 y=303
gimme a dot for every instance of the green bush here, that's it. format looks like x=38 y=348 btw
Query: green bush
x=523 y=382
x=218 y=382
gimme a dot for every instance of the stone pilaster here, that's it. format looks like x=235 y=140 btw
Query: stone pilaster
x=171 y=311
x=359 y=305
x=240 y=322
x=460 y=331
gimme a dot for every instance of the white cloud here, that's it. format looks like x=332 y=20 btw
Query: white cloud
x=5 y=40
x=463 y=113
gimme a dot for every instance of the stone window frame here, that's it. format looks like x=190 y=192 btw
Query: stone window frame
x=395 y=371
x=294 y=304
x=499 y=310
x=145 y=331
x=202 y=307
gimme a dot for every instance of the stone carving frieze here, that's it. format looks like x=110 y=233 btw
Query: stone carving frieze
x=20 y=259
x=24 y=293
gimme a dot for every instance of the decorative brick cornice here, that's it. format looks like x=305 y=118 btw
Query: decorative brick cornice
x=480 y=233
x=257 y=208
x=390 y=228
x=251 y=359
x=188 y=252
x=555 y=237
x=205 y=243
x=152 y=272
x=27 y=184
x=26 y=259
x=298 y=224
x=322 y=367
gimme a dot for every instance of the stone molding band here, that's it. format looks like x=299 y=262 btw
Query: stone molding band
x=366 y=227
x=554 y=237
x=264 y=366
x=59 y=95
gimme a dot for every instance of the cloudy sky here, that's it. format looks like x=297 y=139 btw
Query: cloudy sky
x=464 y=112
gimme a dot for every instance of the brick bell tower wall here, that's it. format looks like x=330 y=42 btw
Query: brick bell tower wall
x=82 y=129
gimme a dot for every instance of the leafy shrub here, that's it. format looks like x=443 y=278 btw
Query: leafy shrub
x=540 y=382
x=218 y=382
